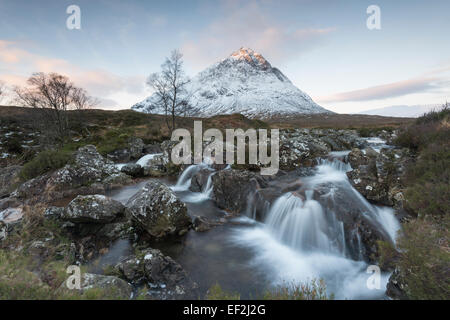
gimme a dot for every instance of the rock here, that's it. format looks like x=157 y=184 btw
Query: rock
x=202 y=224
x=379 y=176
x=135 y=145
x=361 y=232
x=357 y=158
x=231 y=188
x=299 y=148
x=396 y=288
x=93 y=209
x=8 y=177
x=89 y=167
x=371 y=153
x=54 y=213
x=9 y=203
x=152 y=149
x=133 y=170
x=199 y=180
x=113 y=286
x=154 y=165
x=33 y=188
x=117 y=180
x=157 y=210
x=132 y=151
x=166 y=278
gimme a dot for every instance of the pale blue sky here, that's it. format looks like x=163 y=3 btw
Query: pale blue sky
x=324 y=47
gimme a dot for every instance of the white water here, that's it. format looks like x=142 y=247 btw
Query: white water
x=145 y=159
x=184 y=182
x=300 y=240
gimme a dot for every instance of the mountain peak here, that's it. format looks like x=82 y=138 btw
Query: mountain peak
x=250 y=56
x=245 y=83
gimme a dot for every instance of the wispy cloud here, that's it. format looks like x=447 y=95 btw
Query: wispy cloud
x=245 y=23
x=384 y=91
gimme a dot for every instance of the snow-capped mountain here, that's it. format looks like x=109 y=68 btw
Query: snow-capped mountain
x=243 y=83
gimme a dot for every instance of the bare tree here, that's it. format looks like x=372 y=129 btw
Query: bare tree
x=170 y=89
x=2 y=90
x=52 y=95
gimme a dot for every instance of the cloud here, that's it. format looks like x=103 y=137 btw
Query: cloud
x=18 y=64
x=390 y=90
x=245 y=23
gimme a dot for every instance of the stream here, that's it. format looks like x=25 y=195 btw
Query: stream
x=298 y=239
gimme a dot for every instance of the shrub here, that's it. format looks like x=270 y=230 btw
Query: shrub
x=424 y=259
x=313 y=290
x=44 y=162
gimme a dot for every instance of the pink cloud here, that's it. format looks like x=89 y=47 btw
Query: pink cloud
x=390 y=90
x=19 y=64
x=246 y=24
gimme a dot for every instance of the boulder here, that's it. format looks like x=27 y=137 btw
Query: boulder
x=117 y=180
x=379 y=176
x=157 y=210
x=93 y=209
x=232 y=188
x=89 y=167
x=132 y=169
x=166 y=278
x=299 y=148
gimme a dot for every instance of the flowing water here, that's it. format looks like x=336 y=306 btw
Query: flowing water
x=298 y=239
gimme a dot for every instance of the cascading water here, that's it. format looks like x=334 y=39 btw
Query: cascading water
x=184 y=182
x=303 y=234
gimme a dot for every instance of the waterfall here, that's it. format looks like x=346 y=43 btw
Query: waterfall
x=300 y=224
x=143 y=161
x=303 y=234
x=184 y=181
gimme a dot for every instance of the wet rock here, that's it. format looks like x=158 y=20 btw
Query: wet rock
x=361 y=231
x=396 y=288
x=155 y=166
x=8 y=177
x=133 y=170
x=157 y=210
x=379 y=176
x=371 y=153
x=202 y=224
x=93 y=209
x=152 y=148
x=165 y=277
x=357 y=158
x=231 y=188
x=199 y=180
